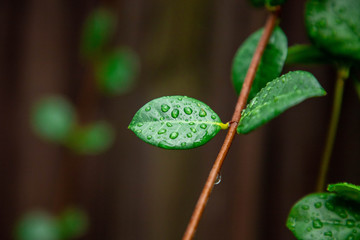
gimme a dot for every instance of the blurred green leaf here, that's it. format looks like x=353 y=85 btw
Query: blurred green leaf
x=346 y=190
x=97 y=31
x=324 y=216
x=270 y=65
x=306 y=54
x=271 y=3
x=53 y=118
x=37 y=226
x=275 y=2
x=73 y=223
x=276 y=97
x=92 y=139
x=116 y=72
x=176 y=122
x=333 y=26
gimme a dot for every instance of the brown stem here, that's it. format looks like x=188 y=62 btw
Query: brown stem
x=199 y=208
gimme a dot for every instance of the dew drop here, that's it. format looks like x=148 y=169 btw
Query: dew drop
x=305 y=207
x=180 y=98
x=189 y=135
x=165 y=108
x=203 y=126
x=162 y=118
x=188 y=110
x=169 y=124
x=213 y=117
x=148 y=108
x=317 y=223
x=328 y=234
x=350 y=237
x=138 y=131
x=323 y=196
x=329 y=206
x=308 y=229
x=149 y=137
x=183 y=144
x=191 y=123
x=162 y=131
x=151 y=128
x=350 y=223
x=202 y=113
x=193 y=130
x=318 y=205
x=175 y=113
x=174 y=135
x=218 y=179
x=140 y=124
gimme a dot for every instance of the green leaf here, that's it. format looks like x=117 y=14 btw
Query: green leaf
x=324 y=216
x=116 y=72
x=346 y=190
x=334 y=26
x=92 y=139
x=278 y=95
x=53 y=118
x=72 y=223
x=176 y=122
x=270 y=65
x=37 y=225
x=97 y=31
x=306 y=54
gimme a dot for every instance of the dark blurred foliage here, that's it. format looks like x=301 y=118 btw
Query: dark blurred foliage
x=136 y=191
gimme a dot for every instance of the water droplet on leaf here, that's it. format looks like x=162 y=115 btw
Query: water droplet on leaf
x=162 y=131
x=188 y=110
x=203 y=126
x=174 y=135
x=202 y=113
x=189 y=135
x=175 y=113
x=147 y=108
x=168 y=124
x=317 y=223
x=165 y=108
x=193 y=130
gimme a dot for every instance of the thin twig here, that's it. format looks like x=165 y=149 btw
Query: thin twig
x=240 y=105
x=342 y=75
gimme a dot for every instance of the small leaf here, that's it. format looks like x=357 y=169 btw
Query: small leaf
x=278 y=95
x=270 y=65
x=37 y=225
x=53 y=118
x=306 y=54
x=324 y=216
x=346 y=190
x=98 y=29
x=176 y=122
x=92 y=139
x=333 y=25
x=73 y=223
x=116 y=72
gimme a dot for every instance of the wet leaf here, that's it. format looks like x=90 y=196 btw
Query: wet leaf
x=278 y=95
x=270 y=65
x=116 y=72
x=37 y=225
x=176 y=122
x=306 y=54
x=97 y=31
x=92 y=139
x=53 y=118
x=346 y=190
x=333 y=25
x=324 y=216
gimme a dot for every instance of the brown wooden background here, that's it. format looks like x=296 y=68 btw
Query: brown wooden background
x=136 y=191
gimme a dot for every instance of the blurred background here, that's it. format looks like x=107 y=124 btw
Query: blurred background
x=131 y=190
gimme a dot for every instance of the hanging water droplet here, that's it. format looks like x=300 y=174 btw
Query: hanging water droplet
x=203 y=125
x=202 y=113
x=175 y=113
x=148 y=108
x=174 y=135
x=317 y=223
x=189 y=135
x=218 y=179
x=140 y=124
x=162 y=131
x=188 y=110
x=165 y=107
x=193 y=130
x=149 y=137
x=168 y=124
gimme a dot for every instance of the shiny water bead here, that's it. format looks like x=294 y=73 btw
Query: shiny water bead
x=203 y=126
x=175 y=113
x=202 y=113
x=188 y=110
x=162 y=131
x=174 y=135
x=165 y=108
x=148 y=108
